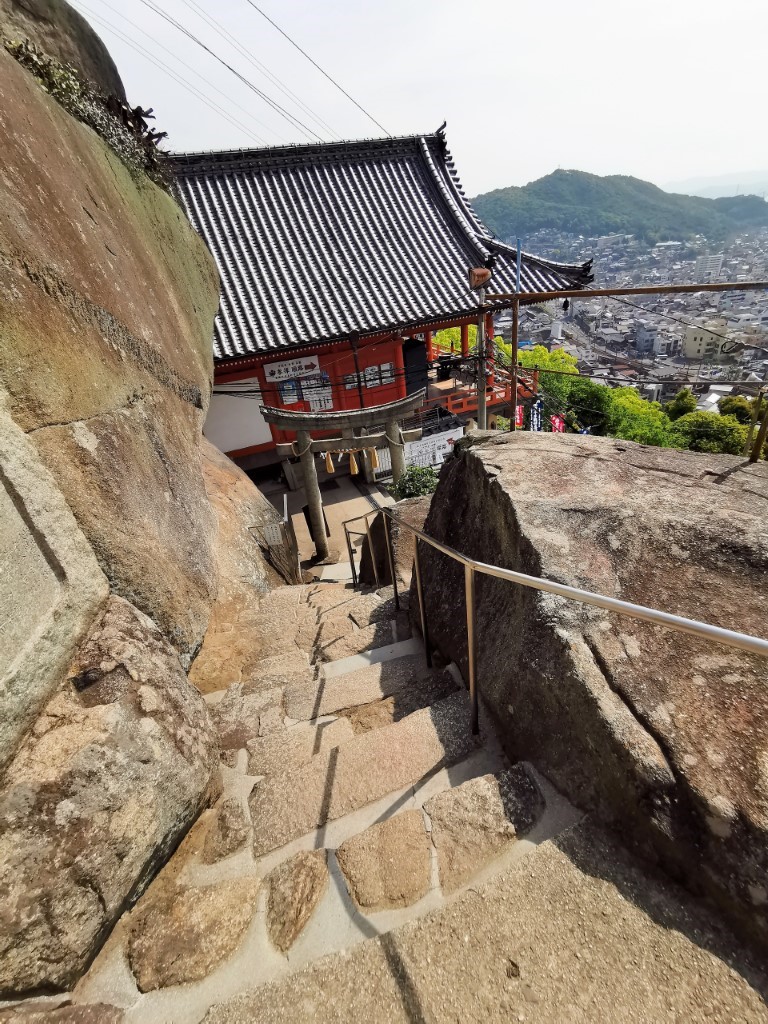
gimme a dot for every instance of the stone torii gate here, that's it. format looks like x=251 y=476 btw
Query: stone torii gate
x=351 y=423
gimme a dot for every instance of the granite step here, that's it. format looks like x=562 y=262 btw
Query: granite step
x=308 y=699
x=291 y=803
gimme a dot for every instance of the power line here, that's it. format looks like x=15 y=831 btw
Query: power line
x=315 y=64
x=261 y=68
x=294 y=121
x=172 y=74
x=127 y=38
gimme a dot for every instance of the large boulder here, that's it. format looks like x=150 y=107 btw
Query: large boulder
x=412 y=511
x=114 y=771
x=59 y=30
x=107 y=299
x=246 y=568
x=661 y=734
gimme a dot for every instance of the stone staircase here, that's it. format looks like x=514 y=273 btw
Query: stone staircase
x=356 y=805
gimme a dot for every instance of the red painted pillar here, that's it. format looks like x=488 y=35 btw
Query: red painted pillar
x=428 y=342
x=464 y=341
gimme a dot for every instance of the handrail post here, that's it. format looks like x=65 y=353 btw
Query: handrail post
x=469 y=594
x=422 y=609
x=350 y=549
x=373 y=554
x=388 y=540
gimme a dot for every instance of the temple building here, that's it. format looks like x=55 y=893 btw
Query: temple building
x=338 y=261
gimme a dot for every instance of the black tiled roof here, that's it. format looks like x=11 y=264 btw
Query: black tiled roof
x=314 y=243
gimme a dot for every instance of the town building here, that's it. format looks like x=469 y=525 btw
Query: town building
x=337 y=263
x=703 y=340
x=708 y=268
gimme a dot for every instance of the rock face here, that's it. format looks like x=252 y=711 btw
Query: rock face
x=242 y=570
x=661 y=734
x=51 y=587
x=411 y=510
x=107 y=298
x=295 y=888
x=388 y=866
x=114 y=771
x=59 y=30
x=181 y=936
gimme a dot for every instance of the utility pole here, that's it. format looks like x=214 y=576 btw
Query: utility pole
x=482 y=418
x=515 y=331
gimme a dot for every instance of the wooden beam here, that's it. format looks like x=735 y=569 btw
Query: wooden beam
x=594 y=293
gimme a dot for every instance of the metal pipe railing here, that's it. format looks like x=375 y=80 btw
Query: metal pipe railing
x=704 y=630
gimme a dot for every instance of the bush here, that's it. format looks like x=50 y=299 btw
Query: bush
x=415 y=482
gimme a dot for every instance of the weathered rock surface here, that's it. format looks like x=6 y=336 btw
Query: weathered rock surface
x=114 y=771
x=243 y=716
x=661 y=734
x=413 y=511
x=575 y=932
x=106 y=311
x=295 y=888
x=389 y=865
x=35 y=1013
x=379 y=634
x=474 y=822
x=234 y=639
x=182 y=935
x=229 y=831
x=51 y=587
x=61 y=31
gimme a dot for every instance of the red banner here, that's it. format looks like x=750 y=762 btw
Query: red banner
x=519 y=415
x=558 y=424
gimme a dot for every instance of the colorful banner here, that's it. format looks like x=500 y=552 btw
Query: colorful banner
x=519 y=416
x=558 y=424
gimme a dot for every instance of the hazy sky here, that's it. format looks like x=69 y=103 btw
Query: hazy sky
x=661 y=90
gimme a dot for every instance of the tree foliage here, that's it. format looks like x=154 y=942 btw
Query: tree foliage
x=452 y=336
x=710 y=432
x=738 y=406
x=683 y=402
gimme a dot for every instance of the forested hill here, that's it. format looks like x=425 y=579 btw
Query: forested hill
x=586 y=204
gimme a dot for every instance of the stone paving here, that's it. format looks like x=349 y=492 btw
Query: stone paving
x=357 y=811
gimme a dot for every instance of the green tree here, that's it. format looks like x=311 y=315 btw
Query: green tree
x=709 y=432
x=635 y=419
x=415 y=482
x=738 y=406
x=554 y=385
x=589 y=402
x=683 y=402
x=443 y=339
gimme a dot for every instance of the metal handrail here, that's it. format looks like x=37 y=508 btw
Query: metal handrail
x=728 y=637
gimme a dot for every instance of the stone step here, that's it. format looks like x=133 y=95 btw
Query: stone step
x=293 y=802
x=312 y=698
x=577 y=930
x=374 y=656
x=377 y=634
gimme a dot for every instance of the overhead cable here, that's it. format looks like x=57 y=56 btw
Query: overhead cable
x=294 y=121
x=316 y=65
x=261 y=68
x=206 y=81
x=176 y=77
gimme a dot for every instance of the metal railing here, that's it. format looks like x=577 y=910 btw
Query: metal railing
x=728 y=637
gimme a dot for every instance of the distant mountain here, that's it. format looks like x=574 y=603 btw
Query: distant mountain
x=586 y=204
x=740 y=183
